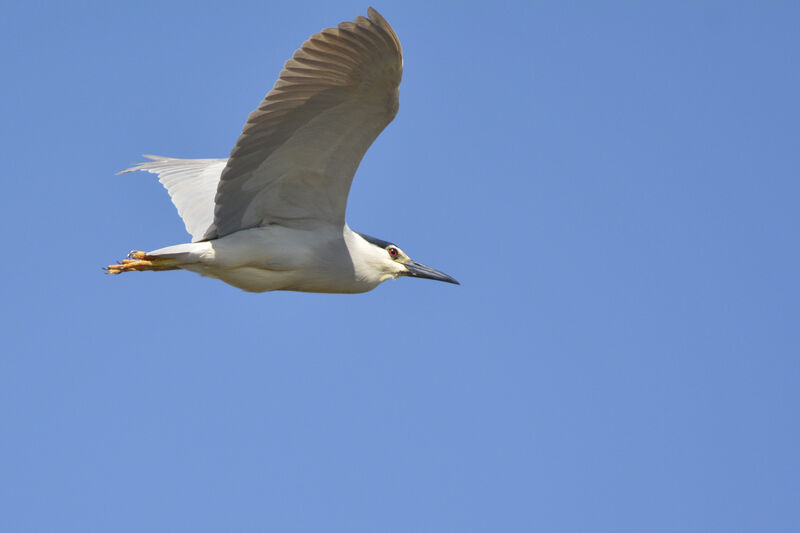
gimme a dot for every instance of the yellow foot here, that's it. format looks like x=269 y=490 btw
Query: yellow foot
x=138 y=261
x=136 y=254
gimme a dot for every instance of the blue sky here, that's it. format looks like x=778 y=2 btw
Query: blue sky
x=616 y=187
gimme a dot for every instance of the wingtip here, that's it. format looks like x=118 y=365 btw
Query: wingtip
x=376 y=17
x=129 y=169
x=138 y=166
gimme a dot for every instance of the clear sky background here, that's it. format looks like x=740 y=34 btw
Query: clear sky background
x=616 y=186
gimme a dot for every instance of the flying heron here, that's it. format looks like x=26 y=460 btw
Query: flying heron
x=272 y=215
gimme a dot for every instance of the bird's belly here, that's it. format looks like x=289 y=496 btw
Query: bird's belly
x=275 y=258
x=254 y=279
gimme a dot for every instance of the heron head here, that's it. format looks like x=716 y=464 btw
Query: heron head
x=394 y=262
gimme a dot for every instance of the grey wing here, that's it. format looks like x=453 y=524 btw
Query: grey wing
x=295 y=159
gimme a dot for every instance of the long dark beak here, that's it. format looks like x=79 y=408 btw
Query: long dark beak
x=418 y=270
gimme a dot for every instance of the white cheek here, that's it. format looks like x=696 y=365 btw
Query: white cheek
x=397 y=269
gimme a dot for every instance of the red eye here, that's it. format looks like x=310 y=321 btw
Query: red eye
x=392 y=252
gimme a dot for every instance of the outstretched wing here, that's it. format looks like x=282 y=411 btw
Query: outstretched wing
x=298 y=152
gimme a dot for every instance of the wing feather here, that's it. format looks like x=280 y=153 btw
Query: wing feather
x=295 y=159
x=192 y=184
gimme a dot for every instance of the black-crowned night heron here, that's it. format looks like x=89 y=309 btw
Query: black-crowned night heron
x=272 y=215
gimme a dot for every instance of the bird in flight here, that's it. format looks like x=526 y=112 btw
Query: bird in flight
x=272 y=215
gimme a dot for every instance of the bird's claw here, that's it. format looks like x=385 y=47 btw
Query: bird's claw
x=135 y=260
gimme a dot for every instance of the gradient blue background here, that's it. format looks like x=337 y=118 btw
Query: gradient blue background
x=616 y=187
